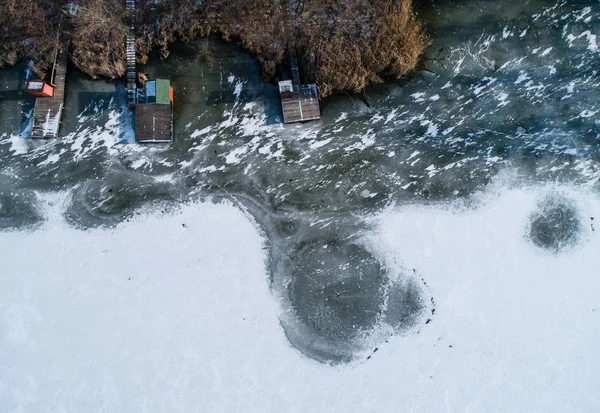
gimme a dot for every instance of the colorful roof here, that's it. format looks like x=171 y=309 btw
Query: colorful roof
x=158 y=91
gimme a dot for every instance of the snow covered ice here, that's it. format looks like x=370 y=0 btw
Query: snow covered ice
x=153 y=316
x=434 y=250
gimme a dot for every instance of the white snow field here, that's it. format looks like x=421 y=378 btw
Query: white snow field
x=156 y=317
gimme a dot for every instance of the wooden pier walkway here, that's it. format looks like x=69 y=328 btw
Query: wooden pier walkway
x=299 y=102
x=153 y=104
x=293 y=57
x=294 y=64
x=47 y=111
x=131 y=64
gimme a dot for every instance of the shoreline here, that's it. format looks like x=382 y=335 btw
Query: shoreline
x=334 y=49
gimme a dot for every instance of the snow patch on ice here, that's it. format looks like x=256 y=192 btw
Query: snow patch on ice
x=320 y=144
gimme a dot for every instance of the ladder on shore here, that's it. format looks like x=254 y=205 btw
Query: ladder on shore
x=292 y=46
x=131 y=64
x=131 y=72
x=294 y=64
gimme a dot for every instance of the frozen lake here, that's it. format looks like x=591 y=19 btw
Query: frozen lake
x=429 y=246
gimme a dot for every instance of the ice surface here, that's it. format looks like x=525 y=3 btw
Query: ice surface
x=107 y=308
x=156 y=316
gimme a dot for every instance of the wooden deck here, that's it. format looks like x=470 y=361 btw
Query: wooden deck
x=302 y=105
x=153 y=122
x=300 y=102
x=47 y=111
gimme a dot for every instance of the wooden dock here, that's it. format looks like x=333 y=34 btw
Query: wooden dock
x=153 y=104
x=302 y=105
x=299 y=102
x=47 y=111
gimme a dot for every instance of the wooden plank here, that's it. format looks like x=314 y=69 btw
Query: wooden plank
x=300 y=109
x=47 y=111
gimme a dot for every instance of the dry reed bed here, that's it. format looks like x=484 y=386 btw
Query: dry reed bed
x=342 y=44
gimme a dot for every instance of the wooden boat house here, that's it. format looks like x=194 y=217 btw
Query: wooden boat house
x=154 y=117
x=39 y=88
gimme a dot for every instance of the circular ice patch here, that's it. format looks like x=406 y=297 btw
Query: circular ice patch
x=18 y=210
x=338 y=300
x=107 y=203
x=336 y=292
x=555 y=225
x=337 y=289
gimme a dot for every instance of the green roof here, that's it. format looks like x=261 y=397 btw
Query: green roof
x=158 y=91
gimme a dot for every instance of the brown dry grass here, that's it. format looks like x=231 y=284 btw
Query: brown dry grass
x=342 y=44
x=29 y=28
x=348 y=45
x=263 y=26
x=161 y=23
x=98 y=41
